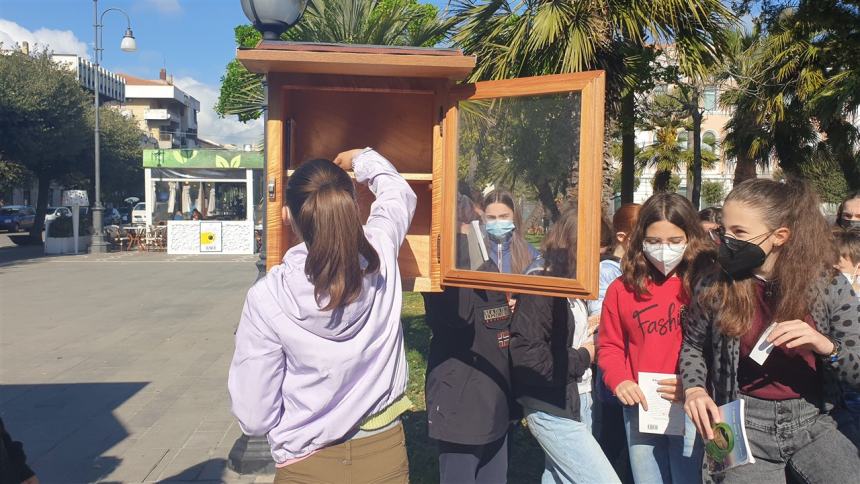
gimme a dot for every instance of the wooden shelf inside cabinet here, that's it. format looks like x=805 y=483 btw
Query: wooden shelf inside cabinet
x=416 y=177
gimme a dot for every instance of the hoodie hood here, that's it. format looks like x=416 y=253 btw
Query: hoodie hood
x=293 y=292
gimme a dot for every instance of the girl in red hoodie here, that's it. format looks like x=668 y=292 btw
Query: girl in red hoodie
x=640 y=331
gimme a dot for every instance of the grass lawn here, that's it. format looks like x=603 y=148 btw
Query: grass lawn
x=526 y=458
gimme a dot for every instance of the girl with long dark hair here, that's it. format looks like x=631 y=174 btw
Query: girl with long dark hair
x=640 y=330
x=319 y=365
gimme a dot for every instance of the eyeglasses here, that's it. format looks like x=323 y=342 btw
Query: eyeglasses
x=716 y=234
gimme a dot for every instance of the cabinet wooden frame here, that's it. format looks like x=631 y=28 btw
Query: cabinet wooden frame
x=419 y=254
x=591 y=86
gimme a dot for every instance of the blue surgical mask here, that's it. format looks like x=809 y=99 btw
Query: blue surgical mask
x=499 y=229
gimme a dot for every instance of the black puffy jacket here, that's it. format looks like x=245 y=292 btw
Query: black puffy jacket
x=546 y=367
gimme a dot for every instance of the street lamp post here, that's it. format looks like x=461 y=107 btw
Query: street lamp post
x=128 y=45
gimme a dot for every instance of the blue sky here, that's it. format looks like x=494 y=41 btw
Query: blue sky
x=193 y=39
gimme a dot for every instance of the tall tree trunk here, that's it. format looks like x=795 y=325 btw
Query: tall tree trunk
x=745 y=169
x=628 y=145
x=545 y=195
x=608 y=196
x=841 y=144
x=662 y=179
x=572 y=192
x=695 y=193
x=41 y=208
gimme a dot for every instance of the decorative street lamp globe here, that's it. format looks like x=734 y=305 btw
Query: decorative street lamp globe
x=273 y=17
x=128 y=43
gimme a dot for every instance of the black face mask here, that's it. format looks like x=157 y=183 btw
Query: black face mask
x=739 y=258
x=849 y=224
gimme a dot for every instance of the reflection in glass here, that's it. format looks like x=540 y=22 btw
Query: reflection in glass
x=517 y=159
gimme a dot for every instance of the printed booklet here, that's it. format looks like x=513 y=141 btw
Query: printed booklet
x=730 y=447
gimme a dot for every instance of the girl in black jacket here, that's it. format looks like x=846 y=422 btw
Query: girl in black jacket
x=548 y=365
x=468 y=390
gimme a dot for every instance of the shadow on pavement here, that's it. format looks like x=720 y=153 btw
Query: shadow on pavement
x=210 y=470
x=66 y=428
x=11 y=255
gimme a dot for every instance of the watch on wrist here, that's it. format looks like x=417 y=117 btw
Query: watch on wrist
x=833 y=355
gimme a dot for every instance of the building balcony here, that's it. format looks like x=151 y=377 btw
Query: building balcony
x=159 y=115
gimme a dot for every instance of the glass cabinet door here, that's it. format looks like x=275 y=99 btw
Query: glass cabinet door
x=522 y=185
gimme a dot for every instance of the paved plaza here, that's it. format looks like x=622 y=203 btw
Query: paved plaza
x=113 y=368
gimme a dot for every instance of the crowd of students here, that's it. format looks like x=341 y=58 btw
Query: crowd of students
x=320 y=369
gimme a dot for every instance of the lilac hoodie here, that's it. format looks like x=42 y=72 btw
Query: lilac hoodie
x=304 y=377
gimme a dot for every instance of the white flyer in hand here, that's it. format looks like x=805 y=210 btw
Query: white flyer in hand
x=662 y=417
x=762 y=347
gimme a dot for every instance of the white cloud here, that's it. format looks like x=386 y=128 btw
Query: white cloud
x=213 y=127
x=58 y=41
x=165 y=6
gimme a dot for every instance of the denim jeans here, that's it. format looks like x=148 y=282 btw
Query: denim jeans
x=668 y=459
x=793 y=433
x=848 y=419
x=572 y=453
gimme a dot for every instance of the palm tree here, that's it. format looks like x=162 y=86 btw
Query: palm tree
x=375 y=22
x=747 y=140
x=535 y=37
x=799 y=79
x=670 y=121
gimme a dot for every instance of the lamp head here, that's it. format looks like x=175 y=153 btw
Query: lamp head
x=273 y=17
x=128 y=43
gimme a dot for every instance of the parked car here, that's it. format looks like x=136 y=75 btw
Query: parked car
x=125 y=214
x=55 y=212
x=111 y=216
x=138 y=215
x=14 y=218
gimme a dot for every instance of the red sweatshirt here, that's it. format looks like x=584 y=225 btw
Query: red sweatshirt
x=640 y=333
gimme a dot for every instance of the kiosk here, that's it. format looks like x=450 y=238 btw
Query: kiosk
x=205 y=199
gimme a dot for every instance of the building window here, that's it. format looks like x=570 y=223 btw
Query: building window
x=683 y=140
x=709 y=98
x=710 y=142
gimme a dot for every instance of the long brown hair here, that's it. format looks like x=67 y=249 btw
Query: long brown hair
x=323 y=209
x=520 y=256
x=677 y=210
x=806 y=254
x=559 y=246
x=625 y=218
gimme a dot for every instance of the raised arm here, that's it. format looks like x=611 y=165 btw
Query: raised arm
x=392 y=211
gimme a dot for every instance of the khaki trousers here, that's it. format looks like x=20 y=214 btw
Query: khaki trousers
x=377 y=459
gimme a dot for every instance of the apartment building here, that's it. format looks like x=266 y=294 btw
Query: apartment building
x=166 y=113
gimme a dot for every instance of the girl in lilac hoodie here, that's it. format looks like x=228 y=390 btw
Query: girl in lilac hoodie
x=319 y=366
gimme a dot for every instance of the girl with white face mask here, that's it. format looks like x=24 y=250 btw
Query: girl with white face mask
x=640 y=331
